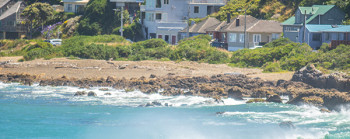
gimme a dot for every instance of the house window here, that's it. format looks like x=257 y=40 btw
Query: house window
x=158 y=16
x=257 y=38
x=316 y=37
x=291 y=29
x=241 y=38
x=159 y=4
x=327 y=36
x=69 y=7
x=232 y=37
x=196 y=9
x=211 y=35
x=166 y=38
x=275 y=36
x=341 y=36
x=223 y=37
x=150 y=16
x=166 y=1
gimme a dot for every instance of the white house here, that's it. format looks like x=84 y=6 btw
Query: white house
x=165 y=18
x=75 y=6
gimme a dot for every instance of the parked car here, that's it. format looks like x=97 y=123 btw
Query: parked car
x=54 y=42
x=255 y=47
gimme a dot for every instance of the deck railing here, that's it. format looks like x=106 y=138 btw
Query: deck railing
x=335 y=43
x=209 y=1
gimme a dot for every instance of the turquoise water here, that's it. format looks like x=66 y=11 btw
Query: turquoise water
x=53 y=112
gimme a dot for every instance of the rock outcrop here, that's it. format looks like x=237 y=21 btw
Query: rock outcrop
x=310 y=75
x=219 y=86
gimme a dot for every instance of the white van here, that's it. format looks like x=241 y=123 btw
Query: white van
x=55 y=42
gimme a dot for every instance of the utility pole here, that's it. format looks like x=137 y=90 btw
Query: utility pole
x=304 y=27
x=121 y=21
x=188 y=21
x=245 y=27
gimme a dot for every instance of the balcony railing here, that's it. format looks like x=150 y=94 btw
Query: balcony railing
x=209 y=1
x=335 y=43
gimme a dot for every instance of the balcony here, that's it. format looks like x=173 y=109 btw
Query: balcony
x=219 y=2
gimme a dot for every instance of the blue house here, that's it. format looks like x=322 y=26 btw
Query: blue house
x=316 y=35
x=293 y=28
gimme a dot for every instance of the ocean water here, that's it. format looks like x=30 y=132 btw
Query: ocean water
x=53 y=112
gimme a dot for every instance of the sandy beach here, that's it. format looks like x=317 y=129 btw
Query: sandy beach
x=87 y=68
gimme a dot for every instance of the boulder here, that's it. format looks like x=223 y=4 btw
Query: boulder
x=325 y=110
x=313 y=100
x=108 y=94
x=103 y=89
x=273 y=97
x=152 y=76
x=80 y=93
x=235 y=93
x=256 y=100
x=287 y=125
x=92 y=94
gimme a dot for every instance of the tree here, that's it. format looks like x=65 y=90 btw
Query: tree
x=99 y=18
x=237 y=7
x=37 y=14
x=29 y=2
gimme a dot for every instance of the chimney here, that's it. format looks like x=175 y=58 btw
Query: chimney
x=228 y=17
x=237 y=22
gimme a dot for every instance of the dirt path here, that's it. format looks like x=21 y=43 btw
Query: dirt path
x=58 y=67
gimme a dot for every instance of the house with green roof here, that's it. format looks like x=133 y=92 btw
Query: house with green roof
x=293 y=28
x=316 y=35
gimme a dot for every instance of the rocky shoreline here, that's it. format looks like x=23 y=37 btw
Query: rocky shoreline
x=302 y=89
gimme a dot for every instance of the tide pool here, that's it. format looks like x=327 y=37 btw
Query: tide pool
x=54 y=112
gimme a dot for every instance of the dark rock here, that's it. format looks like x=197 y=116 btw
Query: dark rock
x=152 y=76
x=236 y=93
x=108 y=94
x=80 y=93
x=273 y=97
x=310 y=75
x=324 y=110
x=220 y=113
x=256 y=100
x=287 y=125
x=92 y=94
x=103 y=89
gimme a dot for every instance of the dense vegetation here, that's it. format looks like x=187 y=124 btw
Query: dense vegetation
x=283 y=54
x=279 y=55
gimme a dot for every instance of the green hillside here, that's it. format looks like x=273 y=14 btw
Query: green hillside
x=275 y=9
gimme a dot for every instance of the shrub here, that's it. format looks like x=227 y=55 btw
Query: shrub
x=272 y=67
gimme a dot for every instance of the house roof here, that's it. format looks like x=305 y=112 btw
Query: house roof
x=289 y=21
x=217 y=27
x=11 y=11
x=253 y=25
x=202 y=26
x=315 y=10
x=266 y=26
x=328 y=28
x=76 y=1
x=3 y=2
x=232 y=25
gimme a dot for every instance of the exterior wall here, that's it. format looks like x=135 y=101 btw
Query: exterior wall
x=202 y=11
x=11 y=27
x=332 y=17
x=73 y=10
x=173 y=16
x=294 y=36
x=313 y=44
